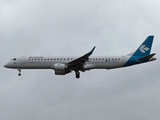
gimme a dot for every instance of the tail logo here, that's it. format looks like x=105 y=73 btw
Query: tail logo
x=143 y=49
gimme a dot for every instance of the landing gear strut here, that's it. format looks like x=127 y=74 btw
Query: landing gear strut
x=77 y=74
x=19 y=74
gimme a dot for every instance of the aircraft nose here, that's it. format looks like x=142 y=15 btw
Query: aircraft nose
x=6 y=65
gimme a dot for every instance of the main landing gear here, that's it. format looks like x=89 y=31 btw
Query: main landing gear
x=19 y=74
x=77 y=74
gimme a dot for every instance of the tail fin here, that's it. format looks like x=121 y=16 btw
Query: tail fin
x=145 y=48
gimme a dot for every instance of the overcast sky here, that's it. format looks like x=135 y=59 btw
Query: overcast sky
x=73 y=27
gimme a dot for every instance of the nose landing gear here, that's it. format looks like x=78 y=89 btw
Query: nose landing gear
x=77 y=74
x=19 y=74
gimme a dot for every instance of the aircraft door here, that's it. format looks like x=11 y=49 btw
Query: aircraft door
x=23 y=59
x=123 y=59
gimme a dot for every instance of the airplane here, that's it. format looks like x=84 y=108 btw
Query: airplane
x=65 y=65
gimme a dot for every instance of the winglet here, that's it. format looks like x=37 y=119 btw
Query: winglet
x=92 y=50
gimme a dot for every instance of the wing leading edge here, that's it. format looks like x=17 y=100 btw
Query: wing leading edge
x=78 y=64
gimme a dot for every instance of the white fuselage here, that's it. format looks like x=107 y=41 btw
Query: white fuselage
x=106 y=62
x=65 y=65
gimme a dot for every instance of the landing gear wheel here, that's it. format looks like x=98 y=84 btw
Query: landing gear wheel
x=77 y=74
x=19 y=74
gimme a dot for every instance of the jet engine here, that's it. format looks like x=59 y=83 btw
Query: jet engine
x=60 y=69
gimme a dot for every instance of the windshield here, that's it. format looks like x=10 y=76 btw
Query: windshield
x=13 y=59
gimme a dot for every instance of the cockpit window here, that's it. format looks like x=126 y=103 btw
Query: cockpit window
x=14 y=59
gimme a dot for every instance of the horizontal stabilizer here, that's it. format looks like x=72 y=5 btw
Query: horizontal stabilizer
x=147 y=57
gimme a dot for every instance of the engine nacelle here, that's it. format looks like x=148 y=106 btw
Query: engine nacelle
x=60 y=72
x=59 y=67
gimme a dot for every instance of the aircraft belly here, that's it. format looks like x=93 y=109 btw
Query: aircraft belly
x=35 y=65
x=105 y=65
x=112 y=65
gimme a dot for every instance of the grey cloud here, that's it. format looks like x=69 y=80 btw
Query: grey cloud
x=73 y=28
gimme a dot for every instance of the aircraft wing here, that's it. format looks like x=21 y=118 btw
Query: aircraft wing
x=78 y=64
